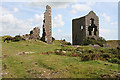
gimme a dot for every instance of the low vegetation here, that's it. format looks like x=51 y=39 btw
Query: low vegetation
x=17 y=38
x=88 y=53
x=57 y=60
x=12 y=39
x=114 y=43
x=100 y=42
x=61 y=42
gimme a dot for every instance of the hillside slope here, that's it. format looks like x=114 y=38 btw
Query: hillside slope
x=38 y=64
x=113 y=43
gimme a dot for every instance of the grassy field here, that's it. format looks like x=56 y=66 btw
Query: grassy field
x=38 y=65
x=114 y=43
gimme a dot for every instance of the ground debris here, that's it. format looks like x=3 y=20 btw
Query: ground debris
x=118 y=75
x=4 y=66
x=23 y=53
x=105 y=64
x=5 y=55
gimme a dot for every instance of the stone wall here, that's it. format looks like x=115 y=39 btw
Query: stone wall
x=47 y=26
x=92 y=25
x=34 y=34
x=78 y=30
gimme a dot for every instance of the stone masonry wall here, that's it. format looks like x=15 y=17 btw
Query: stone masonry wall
x=84 y=27
x=47 y=26
x=34 y=34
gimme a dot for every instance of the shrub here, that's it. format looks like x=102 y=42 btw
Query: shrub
x=63 y=39
x=64 y=42
x=78 y=54
x=53 y=39
x=107 y=50
x=90 y=51
x=101 y=39
x=3 y=37
x=75 y=55
x=105 y=55
x=118 y=47
x=93 y=57
x=68 y=43
x=100 y=42
x=114 y=51
x=115 y=60
x=118 y=56
x=17 y=38
x=86 y=57
x=88 y=41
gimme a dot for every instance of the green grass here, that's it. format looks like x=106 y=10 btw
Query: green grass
x=53 y=66
x=56 y=42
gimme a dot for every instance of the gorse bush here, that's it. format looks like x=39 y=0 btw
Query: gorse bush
x=86 y=57
x=64 y=42
x=68 y=43
x=3 y=37
x=105 y=55
x=88 y=41
x=17 y=38
x=108 y=50
x=114 y=51
x=90 y=56
x=87 y=53
x=100 y=41
x=53 y=39
x=115 y=60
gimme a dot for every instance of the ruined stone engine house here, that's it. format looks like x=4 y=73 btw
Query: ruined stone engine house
x=85 y=27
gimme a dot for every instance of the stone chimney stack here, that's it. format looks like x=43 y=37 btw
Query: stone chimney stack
x=47 y=26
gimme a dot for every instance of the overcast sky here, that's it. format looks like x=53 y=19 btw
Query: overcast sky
x=21 y=17
x=119 y=21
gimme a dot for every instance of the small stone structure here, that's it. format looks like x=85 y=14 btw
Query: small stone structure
x=47 y=26
x=84 y=27
x=34 y=34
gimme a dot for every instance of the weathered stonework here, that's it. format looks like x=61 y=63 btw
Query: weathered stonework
x=34 y=34
x=47 y=26
x=26 y=36
x=84 y=27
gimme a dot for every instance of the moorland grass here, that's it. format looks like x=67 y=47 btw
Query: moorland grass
x=37 y=65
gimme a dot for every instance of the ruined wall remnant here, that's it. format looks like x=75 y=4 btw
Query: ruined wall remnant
x=84 y=27
x=34 y=34
x=47 y=26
